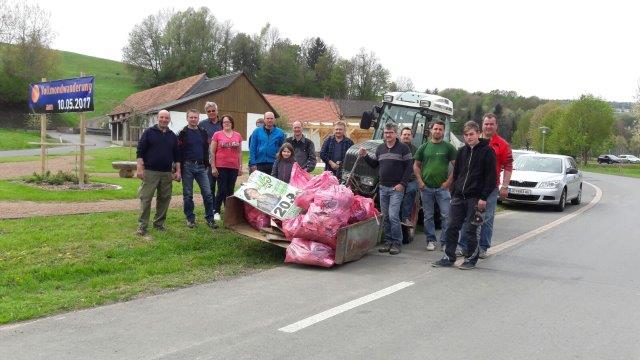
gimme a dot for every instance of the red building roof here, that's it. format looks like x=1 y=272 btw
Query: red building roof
x=297 y=108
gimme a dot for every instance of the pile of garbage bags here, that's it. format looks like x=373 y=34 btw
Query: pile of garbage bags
x=326 y=207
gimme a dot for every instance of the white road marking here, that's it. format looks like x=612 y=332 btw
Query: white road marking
x=344 y=307
x=526 y=236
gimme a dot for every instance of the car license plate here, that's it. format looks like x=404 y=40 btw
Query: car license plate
x=520 y=191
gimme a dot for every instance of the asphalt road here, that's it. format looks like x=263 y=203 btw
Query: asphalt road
x=99 y=141
x=569 y=290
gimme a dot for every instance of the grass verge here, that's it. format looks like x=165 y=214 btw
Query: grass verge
x=54 y=264
x=16 y=139
x=630 y=170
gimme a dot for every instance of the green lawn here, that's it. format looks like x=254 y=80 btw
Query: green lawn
x=54 y=264
x=630 y=170
x=113 y=83
x=15 y=139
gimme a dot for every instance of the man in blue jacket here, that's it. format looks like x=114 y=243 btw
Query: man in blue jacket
x=335 y=148
x=264 y=146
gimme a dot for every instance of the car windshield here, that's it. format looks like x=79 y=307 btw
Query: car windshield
x=517 y=153
x=538 y=163
x=410 y=117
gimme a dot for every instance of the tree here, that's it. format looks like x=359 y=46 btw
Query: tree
x=281 y=70
x=245 y=54
x=312 y=50
x=25 y=56
x=520 y=138
x=367 y=79
x=478 y=113
x=547 y=115
x=145 y=53
x=586 y=126
x=402 y=83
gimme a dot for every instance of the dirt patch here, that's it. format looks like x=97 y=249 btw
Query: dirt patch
x=17 y=169
x=72 y=186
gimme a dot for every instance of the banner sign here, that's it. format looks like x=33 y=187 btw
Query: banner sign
x=60 y=96
x=269 y=195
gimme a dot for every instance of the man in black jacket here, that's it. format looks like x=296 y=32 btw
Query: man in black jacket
x=395 y=164
x=474 y=178
x=305 y=150
x=156 y=155
x=194 y=157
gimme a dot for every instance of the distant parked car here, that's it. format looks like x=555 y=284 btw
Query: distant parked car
x=609 y=159
x=629 y=158
x=545 y=179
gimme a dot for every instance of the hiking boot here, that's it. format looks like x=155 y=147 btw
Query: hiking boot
x=444 y=262
x=431 y=246
x=385 y=249
x=191 y=224
x=141 y=232
x=160 y=227
x=483 y=254
x=394 y=250
x=467 y=265
x=212 y=224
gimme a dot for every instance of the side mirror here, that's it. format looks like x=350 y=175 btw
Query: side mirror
x=366 y=120
x=572 y=171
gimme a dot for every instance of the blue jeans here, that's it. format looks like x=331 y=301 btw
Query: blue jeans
x=390 y=202
x=409 y=197
x=486 y=230
x=197 y=172
x=429 y=198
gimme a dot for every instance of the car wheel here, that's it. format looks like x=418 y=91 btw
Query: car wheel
x=578 y=199
x=562 y=202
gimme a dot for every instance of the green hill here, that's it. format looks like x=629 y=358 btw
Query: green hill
x=113 y=83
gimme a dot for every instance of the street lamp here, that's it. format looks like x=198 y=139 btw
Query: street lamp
x=544 y=130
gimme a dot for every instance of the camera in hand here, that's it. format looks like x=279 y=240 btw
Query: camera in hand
x=477 y=218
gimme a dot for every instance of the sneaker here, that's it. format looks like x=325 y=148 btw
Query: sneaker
x=444 y=262
x=431 y=246
x=483 y=254
x=160 y=227
x=216 y=217
x=394 y=250
x=467 y=265
x=212 y=224
x=141 y=232
x=191 y=224
x=385 y=248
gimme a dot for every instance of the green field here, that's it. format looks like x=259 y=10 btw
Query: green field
x=61 y=263
x=630 y=170
x=113 y=83
x=14 y=139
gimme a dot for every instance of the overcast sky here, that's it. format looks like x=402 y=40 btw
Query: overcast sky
x=551 y=49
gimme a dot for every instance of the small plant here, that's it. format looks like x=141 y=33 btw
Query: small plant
x=55 y=179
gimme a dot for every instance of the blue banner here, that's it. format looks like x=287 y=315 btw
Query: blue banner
x=60 y=96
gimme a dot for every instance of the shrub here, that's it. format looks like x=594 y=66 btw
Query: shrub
x=55 y=179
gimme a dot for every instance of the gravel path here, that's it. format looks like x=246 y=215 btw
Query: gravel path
x=24 y=168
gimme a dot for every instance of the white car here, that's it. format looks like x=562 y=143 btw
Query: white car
x=545 y=179
x=629 y=159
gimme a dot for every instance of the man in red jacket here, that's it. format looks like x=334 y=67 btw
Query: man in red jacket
x=504 y=161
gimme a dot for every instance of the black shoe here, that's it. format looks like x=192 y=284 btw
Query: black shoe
x=394 y=250
x=191 y=224
x=212 y=224
x=385 y=249
x=467 y=265
x=141 y=232
x=160 y=227
x=444 y=262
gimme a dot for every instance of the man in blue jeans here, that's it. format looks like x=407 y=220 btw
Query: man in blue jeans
x=393 y=160
x=406 y=137
x=211 y=125
x=431 y=168
x=194 y=155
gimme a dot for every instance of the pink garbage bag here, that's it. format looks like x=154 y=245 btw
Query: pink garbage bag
x=256 y=218
x=362 y=208
x=299 y=177
x=322 y=181
x=308 y=252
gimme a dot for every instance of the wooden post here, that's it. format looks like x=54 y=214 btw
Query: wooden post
x=82 y=132
x=43 y=138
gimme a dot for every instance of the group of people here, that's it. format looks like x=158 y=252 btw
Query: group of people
x=207 y=151
x=465 y=184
